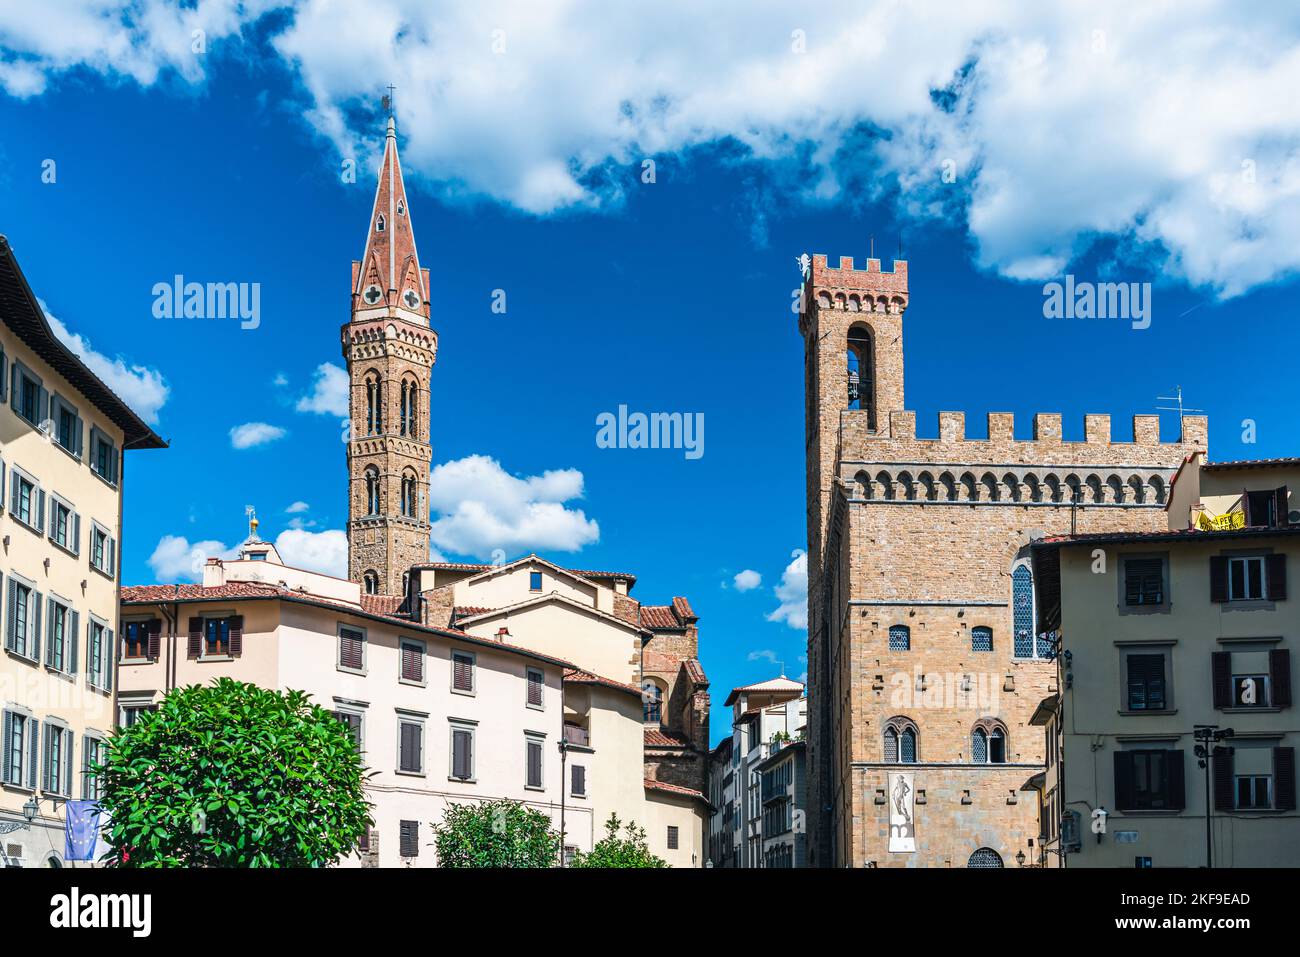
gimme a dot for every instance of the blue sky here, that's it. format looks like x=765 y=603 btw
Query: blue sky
x=668 y=296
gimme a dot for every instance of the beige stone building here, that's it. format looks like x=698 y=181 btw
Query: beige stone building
x=926 y=662
x=62 y=437
x=1164 y=631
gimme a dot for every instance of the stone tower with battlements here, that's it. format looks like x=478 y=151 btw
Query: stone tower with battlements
x=924 y=656
x=390 y=350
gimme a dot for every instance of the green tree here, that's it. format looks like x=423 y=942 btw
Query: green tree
x=500 y=833
x=615 y=851
x=233 y=775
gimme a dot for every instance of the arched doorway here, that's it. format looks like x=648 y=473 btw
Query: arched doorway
x=985 y=857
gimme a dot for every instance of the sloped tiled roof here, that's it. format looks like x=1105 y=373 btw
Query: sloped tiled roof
x=479 y=567
x=695 y=671
x=1175 y=535
x=659 y=738
x=772 y=684
x=1251 y=464
x=651 y=785
x=371 y=606
x=659 y=617
x=579 y=677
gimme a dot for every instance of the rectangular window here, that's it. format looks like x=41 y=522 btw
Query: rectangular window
x=67 y=426
x=1254 y=791
x=1149 y=780
x=92 y=754
x=103 y=456
x=135 y=641
x=353 y=722
x=27 y=500
x=57 y=775
x=1146 y=682
x=352 y=649
x=533 y=759
x=981 y=639
x=672 y=837
x=412 y=661
x=29 y=395
x=129 y=714
x=102 y=549
x=462 y=672
x=1250 y=691
x=534 y=581
x=22 y=634
x=410 y=746
x=62 y=624
x=65 y=526
x=409 y=839
x=1144 y=581
x=1246 y=578
x=216 y=638
x=535 y=685
x=462 y=753
x=19 y=742
x=579 y=781
x=99 y=651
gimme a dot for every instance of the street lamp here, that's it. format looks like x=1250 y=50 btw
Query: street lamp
x=1207 y=736
x=1020 y=858
x=31 y=809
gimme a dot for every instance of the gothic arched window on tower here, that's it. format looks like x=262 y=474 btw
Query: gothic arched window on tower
x=410 y=407
x=861 y=375
x=408 y=495
x=370 y=580
x=379 y=223
x=374 y=405
x=372 y=491
x=1022 y=610
x=652 y=696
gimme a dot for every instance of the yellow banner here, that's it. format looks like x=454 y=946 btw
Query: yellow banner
x=1221 y=523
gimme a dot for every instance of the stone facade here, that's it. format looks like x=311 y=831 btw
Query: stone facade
x=925 y=534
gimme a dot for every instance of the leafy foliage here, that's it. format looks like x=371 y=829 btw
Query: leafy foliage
x=233 y=775
x=500 y=833
x=615 y=851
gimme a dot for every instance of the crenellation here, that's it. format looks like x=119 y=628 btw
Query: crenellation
x=1001 y=426
x=952 y=427
x=1047 y=428
x=1096 y=429
x=1146 y=430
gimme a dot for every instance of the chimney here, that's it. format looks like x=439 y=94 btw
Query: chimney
x=503 y=633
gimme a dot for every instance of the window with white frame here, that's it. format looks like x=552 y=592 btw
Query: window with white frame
x=533 y=755
x=1246 y=578
x=63 y=626
x=103 y=549
x=20 y=743
x=56 y=772
x=410 y=744
x=130 y=711
x=462 y=751
x=23 y=619
x=65 y=525
x=92 y=754
x=26 y=500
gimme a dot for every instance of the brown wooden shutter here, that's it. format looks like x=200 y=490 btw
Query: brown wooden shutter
x=1221 y=678
x=351 y=654
x=1280 y=507
x=1275 y=566
x=1284 y=778
x=1245 y=507
x=1225 y=798
x=464 y=673
x=1124 y=796
x=196 y=637
x=1175 y=784
x=153 y=636
x=534 y=688
x=1218 y=578
x=236 y=636
x=1279 y=675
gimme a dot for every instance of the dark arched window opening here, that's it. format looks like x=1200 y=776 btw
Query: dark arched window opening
x=652 y=701
x=900 y=741
x=408 y=495
x=374 y=406
x=372 y=491
x=371 y=582
x=862 y=385
x=985 y=857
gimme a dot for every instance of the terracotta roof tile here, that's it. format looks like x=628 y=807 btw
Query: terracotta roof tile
x=683 y=609
x=466 y=610
x=1251 y=464
x=579 y=677
x=659 y=738
x=381 y=604
x=675 y=789
x=1175 y=535
x=659 y=617
x=696 y=671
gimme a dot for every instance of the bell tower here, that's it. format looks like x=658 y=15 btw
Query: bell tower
x=390 y=349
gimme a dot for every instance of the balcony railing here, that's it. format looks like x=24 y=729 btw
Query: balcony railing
x=576 y=734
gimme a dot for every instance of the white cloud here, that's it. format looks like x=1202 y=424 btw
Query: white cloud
x=297 y=507
x=280 y=380
x=330 y=389
x=1159 y=124
x=747 y=580
x=767 y=654
x=325 y=552
x=140 y=387
x=175 y=559
x=793 y=593
x=482 y=507
x=252 y=434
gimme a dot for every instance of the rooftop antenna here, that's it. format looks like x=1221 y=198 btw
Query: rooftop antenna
x=388 y=101
x=1176 y=397
x=251 y=512
x=873 y=245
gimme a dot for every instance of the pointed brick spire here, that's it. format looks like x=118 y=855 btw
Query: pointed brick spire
x=389 y=273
